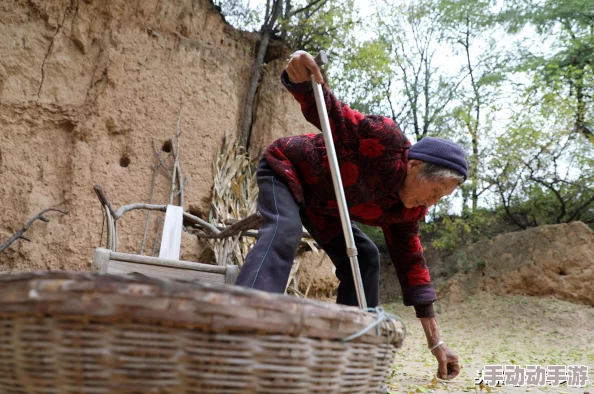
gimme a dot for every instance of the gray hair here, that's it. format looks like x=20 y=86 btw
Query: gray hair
x=434 y=173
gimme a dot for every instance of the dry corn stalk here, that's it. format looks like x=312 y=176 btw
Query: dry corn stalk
x=234 y=196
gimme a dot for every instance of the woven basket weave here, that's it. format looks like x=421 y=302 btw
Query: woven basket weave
x=93 y=333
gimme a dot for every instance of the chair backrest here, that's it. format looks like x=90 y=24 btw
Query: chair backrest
x=172 y=233
x=110 y=262
x=167 y=265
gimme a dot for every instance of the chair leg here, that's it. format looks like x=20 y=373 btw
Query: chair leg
x=101 y=260
x=231 y=274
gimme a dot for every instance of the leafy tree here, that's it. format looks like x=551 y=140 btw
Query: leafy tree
x=450 y=232
x=325 y=25
x=421 y=88
x=567 y=27
x=398 y=71
x=362 y=74
x=542 y=170
x=471 y=31
x=310 y=25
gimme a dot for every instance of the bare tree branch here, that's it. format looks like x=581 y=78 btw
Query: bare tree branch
x=191 y=218
x=19 y=234
x=580 y=208
x=249 y=223
x=549 y=186
x=176 y=165
x=173 y=171
x=308 y=6
x=148 y=214
x=160 y=159
x=157 y=238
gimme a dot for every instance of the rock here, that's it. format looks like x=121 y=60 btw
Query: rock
x=551 y=260
x=316 y=276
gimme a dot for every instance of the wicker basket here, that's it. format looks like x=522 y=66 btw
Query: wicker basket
x=92 y=333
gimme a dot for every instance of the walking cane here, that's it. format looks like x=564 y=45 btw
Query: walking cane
x=345 y=219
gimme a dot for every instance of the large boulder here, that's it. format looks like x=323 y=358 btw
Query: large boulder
x=552 y=260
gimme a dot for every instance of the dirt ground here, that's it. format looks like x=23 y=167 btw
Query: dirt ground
x=490 y=329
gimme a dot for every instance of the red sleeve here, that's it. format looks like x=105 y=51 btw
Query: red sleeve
x=349 y=128
x=344 y=121
x=412 y=271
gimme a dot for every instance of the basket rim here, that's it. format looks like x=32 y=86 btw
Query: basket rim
x=209 y=307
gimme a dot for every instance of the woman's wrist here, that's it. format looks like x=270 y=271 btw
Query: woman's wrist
x=438 y=344
x=431 y=330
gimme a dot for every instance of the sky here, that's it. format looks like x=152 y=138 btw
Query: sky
x=451 y=62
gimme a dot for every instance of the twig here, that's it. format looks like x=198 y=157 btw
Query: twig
x=182 y=189
x=177 y=127
x=191 y=218
x=148 y=214
x=240 y=226
x=160 y=159
x=163 y=208
x=19 y=234
x=252 y=234
x=182 y=183
x=293 y=290
x=174 y=171
x=293 y=281
x=156 y=235
x=176 y=165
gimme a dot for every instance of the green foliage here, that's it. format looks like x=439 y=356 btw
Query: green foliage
x=241 y=14
x=480 y=264
x=463 y=261
x=546 y=15
x=365 y=75
x=328 y=25
x=396 y=72
x=541 y=169
x=309 y=25
x=454 y=232
x=565 y=72
x=470 y=29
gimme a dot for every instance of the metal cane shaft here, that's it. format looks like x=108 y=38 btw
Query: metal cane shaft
x=338 y=189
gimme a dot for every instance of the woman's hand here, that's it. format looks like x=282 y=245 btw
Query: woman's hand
x=448 y=366
x=301 y=65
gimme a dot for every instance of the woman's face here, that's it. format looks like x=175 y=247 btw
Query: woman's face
x=415 y=192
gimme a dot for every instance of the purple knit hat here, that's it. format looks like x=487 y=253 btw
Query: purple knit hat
x=440 y=152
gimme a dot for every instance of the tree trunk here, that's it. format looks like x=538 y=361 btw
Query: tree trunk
x=246 y=129
x=580 y=121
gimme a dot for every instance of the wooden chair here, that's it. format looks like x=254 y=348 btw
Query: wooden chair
x=167 y=265
x=110 y=262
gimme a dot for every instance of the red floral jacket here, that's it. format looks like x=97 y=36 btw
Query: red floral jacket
x=372 y=153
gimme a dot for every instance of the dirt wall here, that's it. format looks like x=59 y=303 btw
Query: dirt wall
x=88 y=88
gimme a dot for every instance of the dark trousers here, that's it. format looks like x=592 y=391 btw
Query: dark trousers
x=268 y=265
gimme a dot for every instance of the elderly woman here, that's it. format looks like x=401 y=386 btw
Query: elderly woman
x=387 y=183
